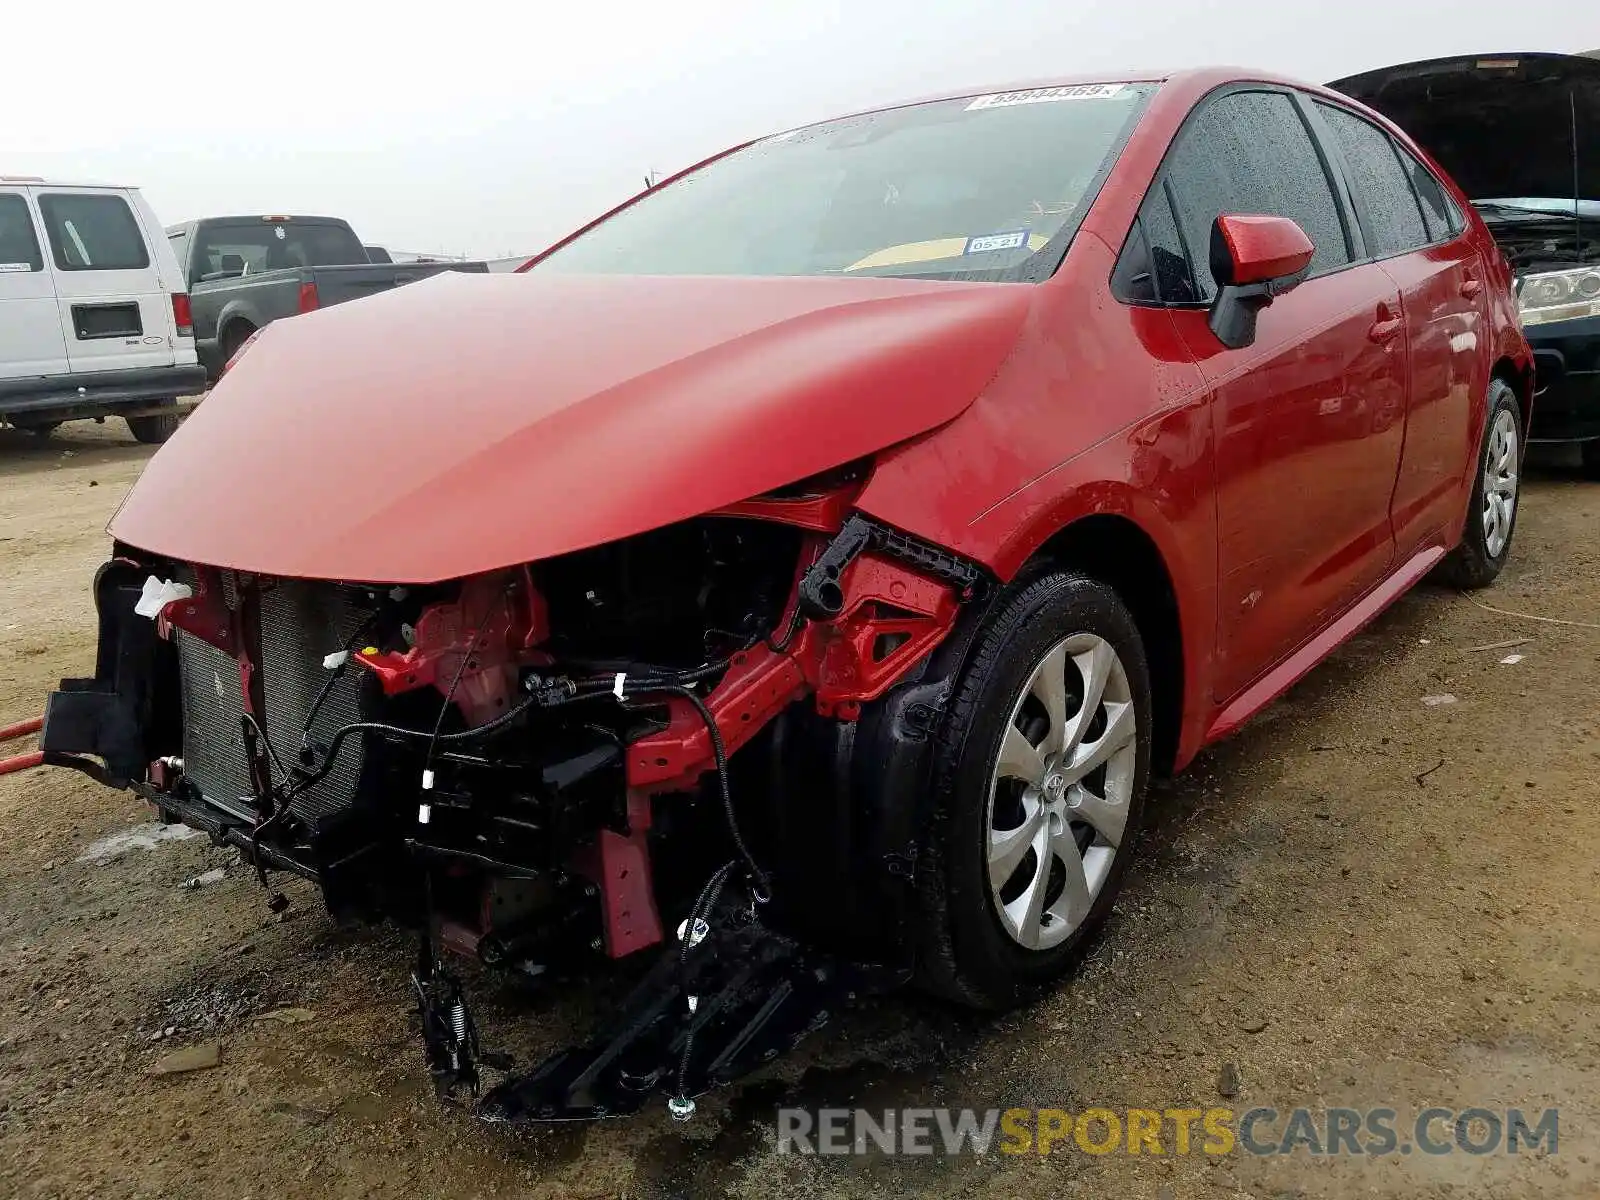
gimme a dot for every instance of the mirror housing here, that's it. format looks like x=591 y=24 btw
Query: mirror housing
x=1255 y=258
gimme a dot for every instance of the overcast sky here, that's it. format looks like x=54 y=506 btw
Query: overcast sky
x=493 y=128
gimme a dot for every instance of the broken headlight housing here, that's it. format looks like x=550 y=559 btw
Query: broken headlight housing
x=1559 y=295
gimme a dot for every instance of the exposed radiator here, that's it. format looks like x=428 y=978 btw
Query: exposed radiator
x=301 y=622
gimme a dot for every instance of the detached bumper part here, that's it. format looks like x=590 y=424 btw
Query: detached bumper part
x=758 y=994
x=124 y=714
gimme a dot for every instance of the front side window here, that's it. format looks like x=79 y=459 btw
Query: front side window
x=1391 y=216
x=1250 y=152
x=19 y=245
x=92 y=232
x=1154 y=267
x=986 y=187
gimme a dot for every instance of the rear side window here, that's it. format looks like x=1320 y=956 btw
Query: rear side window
x=93 y=233
x=1391 y=216
x=19 y=246
x=1441 y=216
x=1250 y=152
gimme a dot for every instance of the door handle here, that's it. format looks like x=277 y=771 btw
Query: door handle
x=1471 y=288
x=1385 y=331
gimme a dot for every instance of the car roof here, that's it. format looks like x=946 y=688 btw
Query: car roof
x=41 y=181
x=1194 y=81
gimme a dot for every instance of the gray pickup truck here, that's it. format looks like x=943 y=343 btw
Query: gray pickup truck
x=245 y=272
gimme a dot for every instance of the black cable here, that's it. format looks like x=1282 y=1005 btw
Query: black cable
x=461 y=668
x=277 y=807
x=796 y=618
x=760 y=886
x=580 y=690
x=700 y=910
x=272 y=754
x=333 y=678
x=337 y=741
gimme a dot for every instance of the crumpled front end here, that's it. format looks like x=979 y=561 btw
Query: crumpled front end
x=569 y=756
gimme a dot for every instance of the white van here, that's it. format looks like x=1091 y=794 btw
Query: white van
x=94 y=315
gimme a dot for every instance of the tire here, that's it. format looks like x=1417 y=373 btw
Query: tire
x=971 y=952
x=1590 y=452
x=238 y=334
x=1486 y=538
x=154 y=430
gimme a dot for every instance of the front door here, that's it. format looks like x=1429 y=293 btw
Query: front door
x=1308 y=421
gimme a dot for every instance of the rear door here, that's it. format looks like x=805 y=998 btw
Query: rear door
x=31 y=342
x=1417 y=235
x=1307 y=420
x=115 y=312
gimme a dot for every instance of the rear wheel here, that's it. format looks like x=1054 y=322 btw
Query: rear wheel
x=236 y=336
x=155 y=429
x=1492 y=515
x=1041 y=774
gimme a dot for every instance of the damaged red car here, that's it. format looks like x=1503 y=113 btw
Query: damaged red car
x=791 y=581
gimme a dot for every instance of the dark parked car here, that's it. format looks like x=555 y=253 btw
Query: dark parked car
x=822 y=552
x=246 y=272
x=1521 y=135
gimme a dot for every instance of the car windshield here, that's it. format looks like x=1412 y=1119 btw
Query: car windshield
x=987 y=187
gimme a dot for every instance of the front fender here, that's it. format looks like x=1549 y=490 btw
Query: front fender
x=1157 y=475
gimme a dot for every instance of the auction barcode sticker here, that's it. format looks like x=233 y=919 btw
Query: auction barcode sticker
x=1047 y=95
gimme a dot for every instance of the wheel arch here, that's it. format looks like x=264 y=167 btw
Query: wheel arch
x=1520 y=380
x=1120 y=553
x=231 y=323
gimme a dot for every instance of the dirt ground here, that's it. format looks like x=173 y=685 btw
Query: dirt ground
x=1361 y=900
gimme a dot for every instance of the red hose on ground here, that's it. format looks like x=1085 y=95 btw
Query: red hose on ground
x=21 y=762
x=21 y=729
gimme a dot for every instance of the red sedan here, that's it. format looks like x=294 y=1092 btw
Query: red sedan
x=850 y=524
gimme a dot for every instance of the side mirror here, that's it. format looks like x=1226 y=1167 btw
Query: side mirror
x=1254 y=259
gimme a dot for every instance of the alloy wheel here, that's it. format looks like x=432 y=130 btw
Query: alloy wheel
x=1062 y=785
x=1500 y=483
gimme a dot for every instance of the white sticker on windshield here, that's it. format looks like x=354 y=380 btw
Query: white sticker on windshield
x=16 y=267
x=996 y=241
x=1047 y=95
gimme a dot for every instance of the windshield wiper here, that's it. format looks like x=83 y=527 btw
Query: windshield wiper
x=1518 y=212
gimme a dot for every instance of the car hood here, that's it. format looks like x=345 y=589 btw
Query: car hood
x=469 y=422
x=1500 y=124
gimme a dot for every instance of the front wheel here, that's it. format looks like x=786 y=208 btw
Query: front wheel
x=1492 y=514
x=1040 y=773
